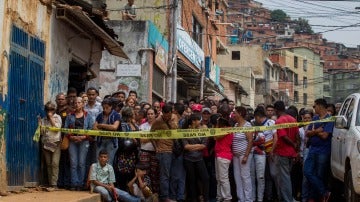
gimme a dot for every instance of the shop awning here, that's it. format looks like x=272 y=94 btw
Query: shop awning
x=75 y=16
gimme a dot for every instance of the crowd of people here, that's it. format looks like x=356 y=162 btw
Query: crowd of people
x=271 y=165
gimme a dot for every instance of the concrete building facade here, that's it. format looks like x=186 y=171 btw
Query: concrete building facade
x=245 y=67
x=301 y=79
x=42 y=43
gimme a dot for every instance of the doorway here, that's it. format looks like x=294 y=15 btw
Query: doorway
x=78 y=76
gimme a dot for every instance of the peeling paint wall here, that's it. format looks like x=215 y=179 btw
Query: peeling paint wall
x=145 y=11
x=62 y=45
x=67 y=45
x=134 y=34
x=34 y=18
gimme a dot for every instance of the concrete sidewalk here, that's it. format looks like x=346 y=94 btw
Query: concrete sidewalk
x=55 y=196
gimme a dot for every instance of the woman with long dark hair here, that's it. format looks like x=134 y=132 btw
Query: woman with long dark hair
x=126 y=156
x=147 y=153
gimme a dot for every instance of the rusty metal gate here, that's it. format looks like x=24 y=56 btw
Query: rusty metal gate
x=25 y=102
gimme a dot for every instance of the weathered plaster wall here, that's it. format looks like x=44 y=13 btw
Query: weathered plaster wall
x=67 y=44
x=134 y=35
x=34 y=18
x=145 y=12
x=2 y=98
x=249 y=67
x=61 y=46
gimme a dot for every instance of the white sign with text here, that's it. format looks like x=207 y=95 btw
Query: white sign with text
x=128 y=70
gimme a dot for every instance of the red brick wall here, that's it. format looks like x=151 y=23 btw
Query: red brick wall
x=210 y=31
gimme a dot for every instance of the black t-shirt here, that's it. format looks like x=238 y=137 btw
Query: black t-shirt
x=79 y=123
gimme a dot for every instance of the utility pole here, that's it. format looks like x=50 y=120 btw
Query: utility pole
x=174 y=50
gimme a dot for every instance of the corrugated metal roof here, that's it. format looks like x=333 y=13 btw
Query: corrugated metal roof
x=78 y=16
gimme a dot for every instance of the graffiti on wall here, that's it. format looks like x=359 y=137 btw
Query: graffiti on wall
x=127 y=84
x=110 y=84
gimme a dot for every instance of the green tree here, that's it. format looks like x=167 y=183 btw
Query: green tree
x=303 y=26
x=278 y=15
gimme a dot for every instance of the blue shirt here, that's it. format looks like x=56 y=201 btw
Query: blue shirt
x=317 y=144
x=113 y=117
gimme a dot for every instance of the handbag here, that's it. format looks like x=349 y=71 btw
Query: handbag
x=65 y=143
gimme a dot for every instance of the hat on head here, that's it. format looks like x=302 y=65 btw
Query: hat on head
x=196 y=108
x=206 y=109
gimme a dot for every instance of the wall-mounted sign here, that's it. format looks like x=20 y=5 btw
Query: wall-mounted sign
x=128 y=70
x=161 y=58
x=189 y=48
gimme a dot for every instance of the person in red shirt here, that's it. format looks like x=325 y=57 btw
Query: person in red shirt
x=223 y=159
x=285 y=149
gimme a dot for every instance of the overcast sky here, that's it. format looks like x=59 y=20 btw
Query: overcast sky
x=325 y=16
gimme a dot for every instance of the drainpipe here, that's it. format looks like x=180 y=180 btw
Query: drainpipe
x=174 y=50
x=202 y=80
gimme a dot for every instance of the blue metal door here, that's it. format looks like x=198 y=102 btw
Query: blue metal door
x=25 y=102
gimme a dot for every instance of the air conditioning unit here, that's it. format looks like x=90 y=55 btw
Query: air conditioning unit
x=66 y=16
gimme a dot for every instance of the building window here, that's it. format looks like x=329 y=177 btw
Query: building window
x=197 y=32
x=305 y=82
x=305 y=65
x=296 y=80
x=235 y=55
x=305 y=98
x=296 y=96
x=295 y=61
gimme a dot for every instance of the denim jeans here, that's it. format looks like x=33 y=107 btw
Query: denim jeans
x=108 y=145
x=222 y=178
x=178 y=176
x=315 y=170
x=258 y=176
x=283 y=166
x=121 y=195
x=165 y=170
x=78 y=152
x=243 y=178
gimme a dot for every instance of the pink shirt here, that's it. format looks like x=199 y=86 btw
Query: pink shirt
x=223 y=147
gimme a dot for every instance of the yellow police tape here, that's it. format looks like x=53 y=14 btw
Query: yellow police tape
x=175 y=133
